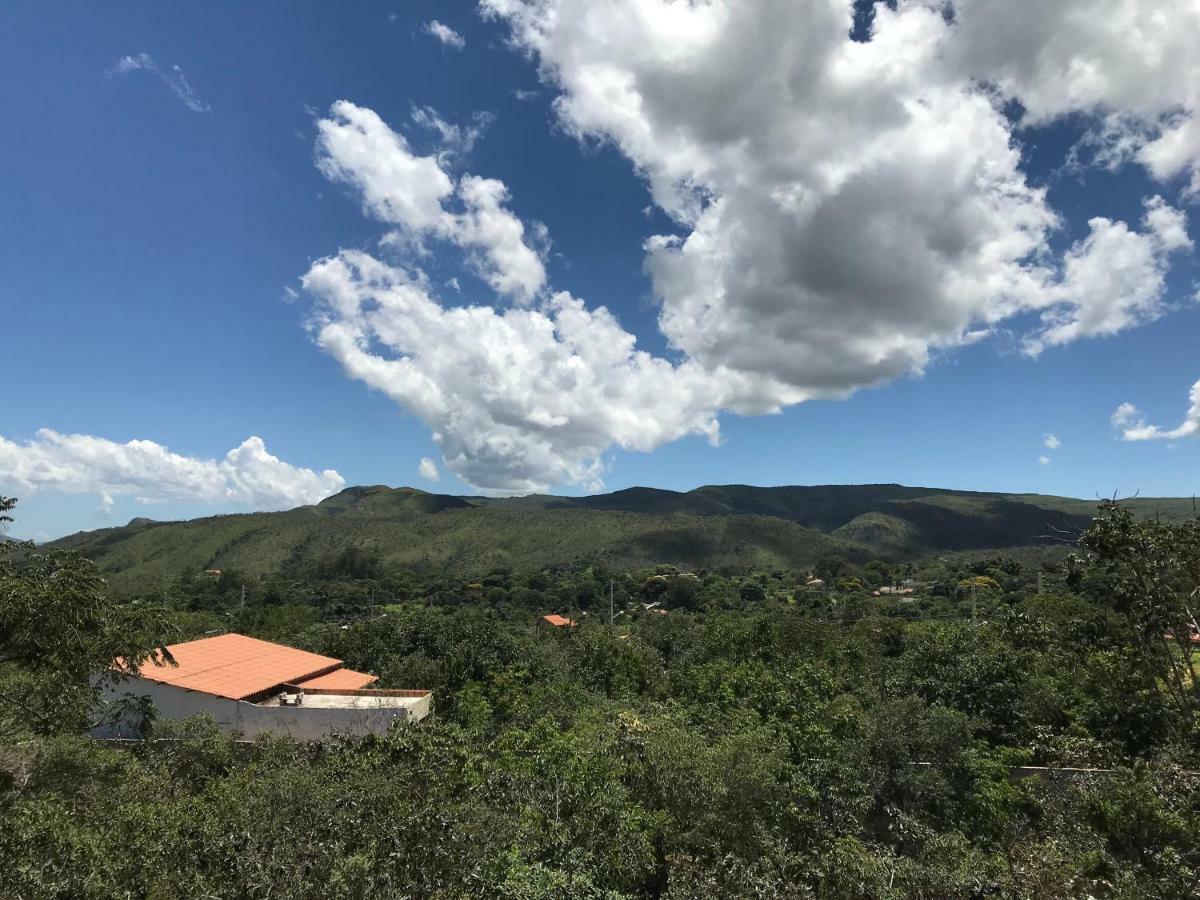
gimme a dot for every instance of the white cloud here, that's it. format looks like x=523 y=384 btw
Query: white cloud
x=1113 y=279
x=445 y=34
x=1130 y=63
x=518 y=400
x=842 y=212
x=398 y=187
x=510 y=266
x=1124 y=414
x=173 y=78
x=248 y=476
x=845 y=209
x=1044 y=460
x=1134 y=428
x=355 y=147
x=456 y=140
x=428 y=469
x=1051 y=441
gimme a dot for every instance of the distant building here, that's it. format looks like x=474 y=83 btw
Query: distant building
x=252 y=687
x=1193 y=636
x=556 y=621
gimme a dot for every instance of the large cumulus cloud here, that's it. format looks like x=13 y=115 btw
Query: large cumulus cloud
x=844 y=209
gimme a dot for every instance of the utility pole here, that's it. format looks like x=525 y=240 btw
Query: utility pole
x=973 y=586
x=610 y=603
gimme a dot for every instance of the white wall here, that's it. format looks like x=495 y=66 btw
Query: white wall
x=312 y=723
x=251 y=721
x=171 y=702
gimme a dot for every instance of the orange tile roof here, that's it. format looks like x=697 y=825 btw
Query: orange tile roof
x=339 y=679
x=237 y=667
x=557 y=621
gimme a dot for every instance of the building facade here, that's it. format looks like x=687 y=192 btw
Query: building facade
x=252 y=688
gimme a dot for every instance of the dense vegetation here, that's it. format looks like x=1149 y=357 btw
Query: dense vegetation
x=725 y=528
x=736 y=733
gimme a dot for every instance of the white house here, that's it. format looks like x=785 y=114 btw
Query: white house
x=252 y=687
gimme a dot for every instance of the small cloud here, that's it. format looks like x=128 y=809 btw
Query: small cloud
x=1124 y=414
x=172 y=78
x=428 y=469
x=1044 y=460
x=457 y=140
x=290 y=294
x=106 y=504
x=445 y=34
x=453 y=284
x=1051 y=441
x=525 y=96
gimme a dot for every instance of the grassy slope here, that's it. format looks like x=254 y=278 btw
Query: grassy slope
x=713 y=527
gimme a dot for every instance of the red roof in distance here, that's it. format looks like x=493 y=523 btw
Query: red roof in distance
x=558 y=621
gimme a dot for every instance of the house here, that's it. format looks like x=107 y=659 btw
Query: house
x=556 y=621
x=252 y=687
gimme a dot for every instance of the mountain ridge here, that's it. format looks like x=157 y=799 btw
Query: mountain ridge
x=713 y=526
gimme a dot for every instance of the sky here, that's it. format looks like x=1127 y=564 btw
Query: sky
x=254 y=253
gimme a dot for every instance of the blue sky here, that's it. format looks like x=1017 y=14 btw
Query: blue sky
x=158 y=222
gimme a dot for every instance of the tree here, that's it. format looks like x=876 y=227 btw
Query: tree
x=58 y=629
x=1152 y=579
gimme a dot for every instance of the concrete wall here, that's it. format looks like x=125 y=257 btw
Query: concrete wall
x=171 y=702
x=308 y=724
x=251 y=721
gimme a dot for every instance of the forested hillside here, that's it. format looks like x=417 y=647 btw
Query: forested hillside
x=720 y=528
x=963 y=727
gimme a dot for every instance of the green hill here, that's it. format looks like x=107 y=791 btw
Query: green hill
x=712 y=527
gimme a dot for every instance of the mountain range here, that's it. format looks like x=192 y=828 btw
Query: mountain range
x=716 y=527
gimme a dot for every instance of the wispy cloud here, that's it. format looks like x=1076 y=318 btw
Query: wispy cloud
x=1051 y=441
x=456 y=140
x=172 y=77
x=445 y=34
x=1044 y=460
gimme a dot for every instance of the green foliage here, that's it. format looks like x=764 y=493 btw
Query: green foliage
x=59 y=634
x=1151 y=579
x=388 y=536
x=757 y=739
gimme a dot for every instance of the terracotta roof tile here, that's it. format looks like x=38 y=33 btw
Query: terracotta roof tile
x=237 y=667
x=557 y=621
x=339 y=679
